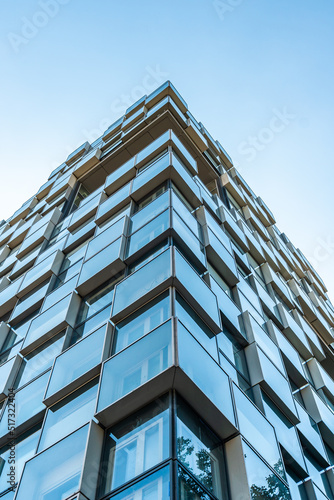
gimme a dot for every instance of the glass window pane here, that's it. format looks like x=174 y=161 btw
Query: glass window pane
x=24 y=449
x=76 y=361
x=277 y=382
x=258 y=431
x=96 y=301
x=189 y=489
x=48 y=321
x=266 y=344
x=199 y=289
x=264 y=484
x=296 y=487
x=154 y=487
x=40 y=360
x=233 y=350
x=135 y=445
x=148 y=232
x=141 y=322
x=105 y=238
x=55 y=473
x=90 y=324
x=204 y=372
x=286 y=432
x=137 y=364
x=196 y=326
x=184 y=213
x=148 y=212
x=71 y=413
x=146 y=278
x=28 y=402
x=199 y=449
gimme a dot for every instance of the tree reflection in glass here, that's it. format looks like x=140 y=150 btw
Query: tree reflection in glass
x=199 y=450
x=264 y=484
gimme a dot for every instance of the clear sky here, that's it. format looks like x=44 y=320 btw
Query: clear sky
x=259 y=74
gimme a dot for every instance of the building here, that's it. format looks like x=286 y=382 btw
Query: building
x=160 y=338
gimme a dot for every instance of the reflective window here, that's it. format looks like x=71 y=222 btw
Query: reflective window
x=276 y=381
x=145 y=153
x=221 y=282
x=28 y=402
x=90 y=325
x=136 y=444
x=78 y=360
x=153 y=487
x=258 y=431
x=112 y=220
x=59 y=293
x=199 y=289
x=204 y=372
x=135 y=365
x=55 y=473
x=71 y=413
x=104 y=239
x=96 y=300
x=22 y=327
x=146 y=278
x=286 y=432
x=148 y=232
x=317 y=473
x=74 y=256
x=151 y=197
x=82 y=193
x=232 y=350
x=142 y=321
x=25 y=447
x=30 y=299
x=46 y=323
x=264 y=484
x=198 y=449
x=195 y=325
x=189 y=488
x=297 y=489
x=149 y=255
x=266 y=344
x=39 y=360
x=149 y=211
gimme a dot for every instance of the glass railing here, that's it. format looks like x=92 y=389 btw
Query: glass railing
x=100 y=263
x=149 y=232
x=150 y=211
x=136 y=365
x=266 y=344
x=204 y=372
x=50 y=321
x=142 y=281
x=72 y=364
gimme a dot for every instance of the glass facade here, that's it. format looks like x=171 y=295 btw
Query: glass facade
x=160 y=338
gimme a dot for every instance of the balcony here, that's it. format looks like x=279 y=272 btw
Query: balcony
x=113 y=204
x=51 y=321
x=265 y=373
x=219 y=253
x=169 y=268
x=77 y=365
x=41 y=271
x=294 y=333
x=168 y=357
x=29 y=408
x=102 y=266
x=166 y=167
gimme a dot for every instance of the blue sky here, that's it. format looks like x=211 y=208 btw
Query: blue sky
x=258 y=74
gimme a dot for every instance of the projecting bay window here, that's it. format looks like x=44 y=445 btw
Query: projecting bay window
x=145 y=319
x=137 y=452
x=135 y=445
